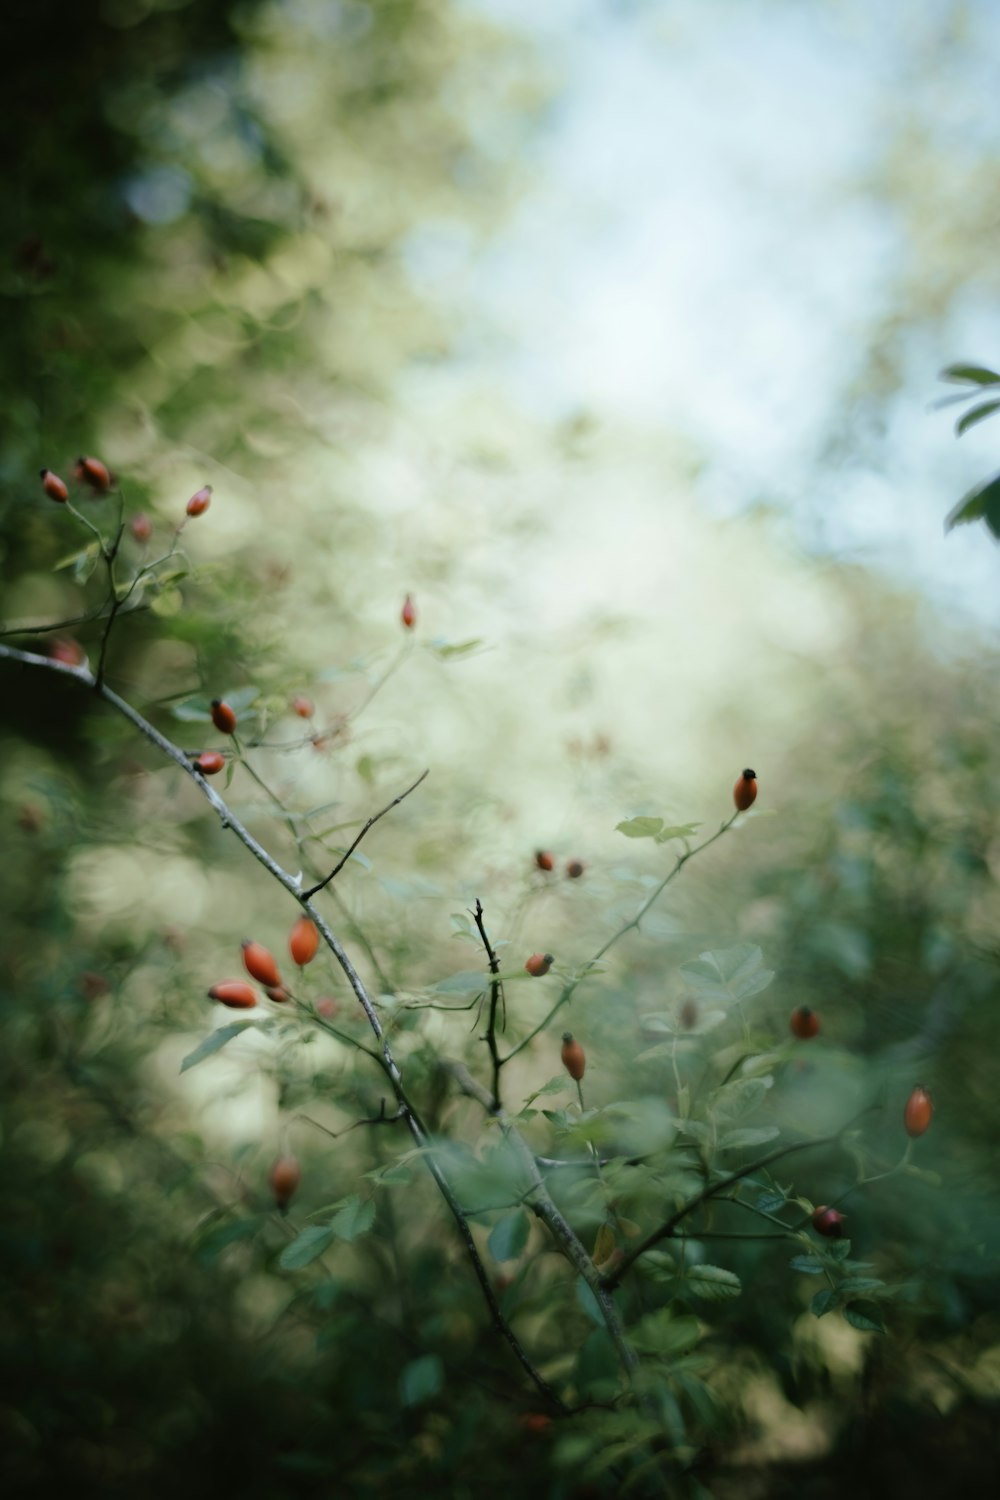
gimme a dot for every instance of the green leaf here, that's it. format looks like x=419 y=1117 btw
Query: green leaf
x=727 y=974
x=713 y=1283
x=221 y=1236
x=589 y=1302
x=738 y=1140
x=825 y=1301
x=854 y=1284
x=354 y=1219
x=214 y=1042
x=770 y=1200
x=809 y=1265
x=980 y=504
x=864 y=1315
x=974 y=415
x=421 y=1380
x=465 y=983
x=740 y=1096
x=639 y=828
x=79 y=555
x=509 y=1236
x=662 y=1333
x=677 y=831
x=306 y=1247
x=448 y=651
x=962 y=374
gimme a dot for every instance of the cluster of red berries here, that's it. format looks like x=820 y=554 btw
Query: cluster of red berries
x=546 y=860
x=260 y=964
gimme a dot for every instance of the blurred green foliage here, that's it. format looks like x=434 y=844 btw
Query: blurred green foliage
x=202 y=284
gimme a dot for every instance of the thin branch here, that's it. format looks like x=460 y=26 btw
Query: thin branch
x=496 y=996
x=315 y=889
x=666 y=1230
x=567 y=991
x=545 y=1209
x=380 y=1119
x=387 y=1062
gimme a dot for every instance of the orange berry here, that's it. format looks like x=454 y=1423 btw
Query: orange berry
x=141 y=527
x=200 y=501
x=223 y=717
x=209 y=762
x=327 y=1007
x=829 y=1222
x=573 y=1057
x=303 y=706
x=277 y=993
x=286 y=1174
x=303 y=941
x=234 y=993
x=408 y=614
x=918 y=1111
x=574 y=868
x=745 y=791
x=259 y=963
x=539 y=964
x=91 y=471
x=544 y=860
x=535 y=1421
x=803 y=1023
x=53 y=485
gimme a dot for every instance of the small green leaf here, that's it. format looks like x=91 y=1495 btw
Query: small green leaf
x=509 y=1236
x=421 y=1380
x=465 y=983
x=770 y=1200
x=738 y=1140
x=975 y=415
x=354 y=1219
x=640 y=828
x=980 y=504
x=448 y=651
x=306 y=1247
x=677 y=831
x=809 y=1265
x=214 y=1042
x=713 y=1283
x=853 y=1284
x=589 y=1302
x=962 y=374
x=825 y=1301
x=663 y=1333
x=864 y=1315
x=219 y=1238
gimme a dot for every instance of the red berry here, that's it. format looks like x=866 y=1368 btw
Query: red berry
x=91 y=471
x=327 y=1007
x=209 y=762
x=65 y=649
x=538 y=964
x=573 y=1057
x=544 y=860
x=234 y=993
x=574 y=868
x=141 y=527
x=918 y=1111
x=200 y=501
x=223 y=717
x=259 y=963
x=53 y=485
x=408 y=615
x=745 y=791
x=286 y=1174
x=829 y=1222
x=804 y=1023
x=535 y=1421
x=303 y=706
x=277 y=993
x=303 y=941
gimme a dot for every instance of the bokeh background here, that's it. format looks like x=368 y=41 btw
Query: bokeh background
x=611 y=332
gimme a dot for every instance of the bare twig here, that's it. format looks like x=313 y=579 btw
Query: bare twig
x=315 y=889
x=496 y=999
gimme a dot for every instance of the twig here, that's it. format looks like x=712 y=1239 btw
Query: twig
x=496 y=996
x=315 y=889
x=570 y=986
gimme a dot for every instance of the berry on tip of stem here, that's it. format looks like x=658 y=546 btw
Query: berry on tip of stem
x=91 y=471
x=803 y=1023
x=745 y=790
x=918 y=1112
x=544 y=859
x=574 y=869
x=829 y=1222
x=209 y=762
x=286 y=1174
x=223 y=717
x=53 y=486
x=235 y=993
x=200 y=501
x=303 y=941
x=574 y=1059
x=303 y=706
x=538 y=964
x=408 y=614
x=259 y=963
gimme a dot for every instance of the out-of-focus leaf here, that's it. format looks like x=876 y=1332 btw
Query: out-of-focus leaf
x=421 y=1380
x=214 y=1042
x=865 y=1316
x=306 y=1247
x=962 y=374
x=509 y=1236
x=354 y=1219
x=975 y=415
x=980 y=504
x=713 y=1283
